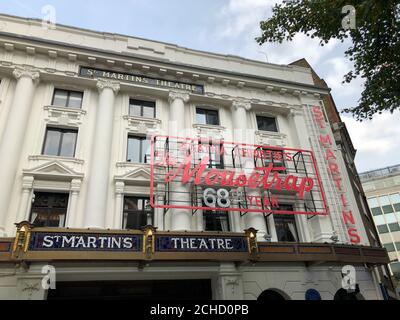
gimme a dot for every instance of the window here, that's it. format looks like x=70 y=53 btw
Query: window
x=138 y=149
x=383 y=229
x=214 y=151
x=139 y=108
x=60 y=142
x=49 y=209
x=389 y=247
x=394 y=227
x=274 y=156
x=206 y=116
x=267 y=124
x=398 y=246
x=376 y=211
x=215 y=220
x=395 y=198
x=137 y=213
x=387 y=209
x=285 y=225
x=67 y=98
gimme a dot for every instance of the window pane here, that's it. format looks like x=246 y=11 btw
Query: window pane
x=52 y=143
x=216 y=221
x=133 y=150
x=49 y=209
x=137 y=213
x=389 y=247
x=394 y=227
x=212 y=117
x=60 y=98
x=286 y=226
x=75 y=99
x=398 y=246
x=376 y=211
x=395 y=198
x=383 y=229
x=267 y=124
x=146 y=150
x=201 y=117
x=148 y=112
x=397 y=207
x=68 y=144
x=135 y=110
x=387 y=209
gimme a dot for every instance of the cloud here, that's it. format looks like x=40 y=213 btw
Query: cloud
x=377 y=141
x=239 y=21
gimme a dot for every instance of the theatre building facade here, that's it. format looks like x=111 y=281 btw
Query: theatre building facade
x=132 y=168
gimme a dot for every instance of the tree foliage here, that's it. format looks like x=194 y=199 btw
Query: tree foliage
x=375 y=48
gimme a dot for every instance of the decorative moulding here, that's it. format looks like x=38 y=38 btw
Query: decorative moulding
x=63 y=116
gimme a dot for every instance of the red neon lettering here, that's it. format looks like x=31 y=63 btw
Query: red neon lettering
x=319 y=116
x=325 y=140
x=344 y=200
x=334 y=168
x=227 y=178
x=354 y=237
x=338 y=183
x=254 y=180
x=348 y=217
x=274 y=202
x=330 y=155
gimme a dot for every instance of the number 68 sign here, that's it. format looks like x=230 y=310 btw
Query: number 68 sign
x=220 y=197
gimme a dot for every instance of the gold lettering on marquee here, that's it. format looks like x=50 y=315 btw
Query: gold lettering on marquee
x=87 y=72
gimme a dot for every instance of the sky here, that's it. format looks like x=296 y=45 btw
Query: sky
x=229 y=27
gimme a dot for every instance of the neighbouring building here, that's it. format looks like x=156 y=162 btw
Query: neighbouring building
x=133 y=168
x=382 y=188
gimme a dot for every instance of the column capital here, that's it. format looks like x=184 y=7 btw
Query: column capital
x=27 y=182
x=236 y=104
x=108 y=84
x=76 y=185
x=28 y=72
x=296 y=111
x=119 y=187
x=173 y=95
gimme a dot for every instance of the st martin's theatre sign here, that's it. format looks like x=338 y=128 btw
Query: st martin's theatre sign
x=139 y=79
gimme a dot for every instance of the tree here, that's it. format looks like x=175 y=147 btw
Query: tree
x=375 y=48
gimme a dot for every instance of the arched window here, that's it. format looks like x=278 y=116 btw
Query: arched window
x=271 y=295
x=342 y=294
x=312 y=294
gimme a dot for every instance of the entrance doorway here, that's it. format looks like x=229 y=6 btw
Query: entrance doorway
x=133 y=290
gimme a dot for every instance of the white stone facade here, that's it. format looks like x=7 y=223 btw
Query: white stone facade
x=34 y=61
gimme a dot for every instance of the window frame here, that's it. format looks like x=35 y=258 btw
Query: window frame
x=68 y=98
x=270 y=117
x=284 y=217
x=63 y=131
x=143 y=103
x=206 y=111
x=213 y=215
x=141 y=212
x=49 y=208
x=212 y=163
x=141 y=138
